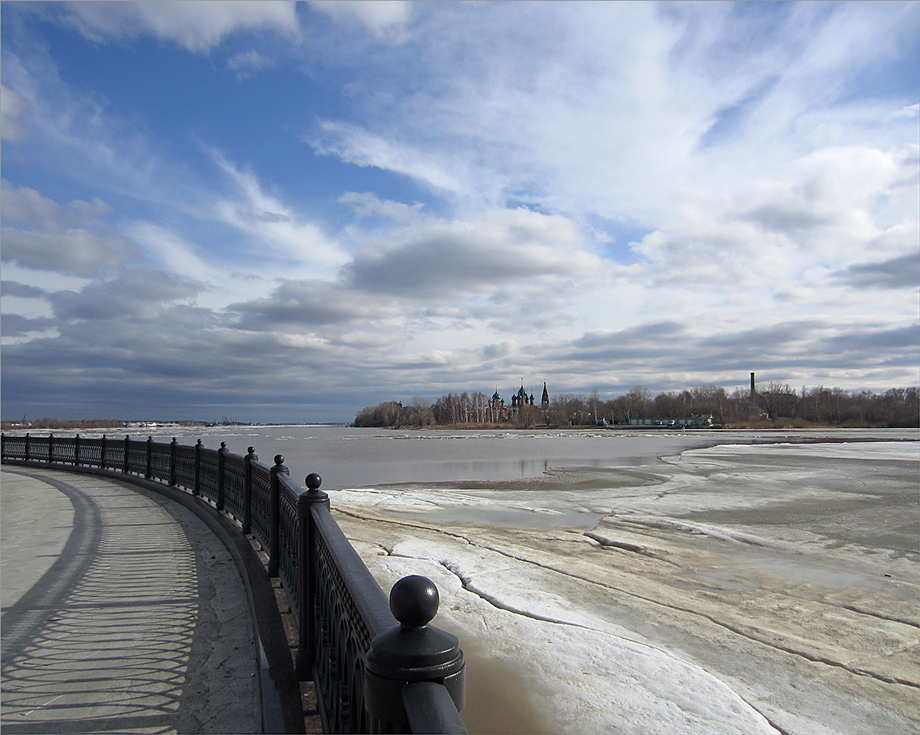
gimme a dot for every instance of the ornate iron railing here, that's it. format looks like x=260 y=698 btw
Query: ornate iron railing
x=376 y=664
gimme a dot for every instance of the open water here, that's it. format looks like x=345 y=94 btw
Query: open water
x=348 y=457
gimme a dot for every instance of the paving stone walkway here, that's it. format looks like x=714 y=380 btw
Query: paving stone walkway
x=121 y=612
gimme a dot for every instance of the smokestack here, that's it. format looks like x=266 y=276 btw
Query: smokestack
x=753 y=389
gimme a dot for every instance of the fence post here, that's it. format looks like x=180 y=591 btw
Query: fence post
x=247 y=489
x=412 y=653
x=306 y=551
x=221 y=462
x=197 y=489
x=76 y=449
x=27 y=446
x=50 y=447
x=102 y=453
x=172 y=461
x=274 y=537
x=127 y=449
x=147 y=472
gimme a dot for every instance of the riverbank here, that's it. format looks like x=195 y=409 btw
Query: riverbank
x=743 y=588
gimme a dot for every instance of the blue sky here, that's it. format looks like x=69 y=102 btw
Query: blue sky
x=290 y=211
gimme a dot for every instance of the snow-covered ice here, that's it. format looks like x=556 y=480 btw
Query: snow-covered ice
x=739 y=588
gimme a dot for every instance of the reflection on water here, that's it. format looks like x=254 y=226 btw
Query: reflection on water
x=350 y=458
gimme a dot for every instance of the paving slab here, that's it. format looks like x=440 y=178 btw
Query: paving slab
x=121 y=612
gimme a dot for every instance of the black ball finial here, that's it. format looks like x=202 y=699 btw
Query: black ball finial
x=414 y=601
x=313 y=481
x=279 y=459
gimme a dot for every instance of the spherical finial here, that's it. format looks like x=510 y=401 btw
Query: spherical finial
x=414 y=601
x=279 y=459
x=313 y=481
x=251 y=450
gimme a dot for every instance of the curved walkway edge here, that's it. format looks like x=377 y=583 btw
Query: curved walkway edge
x=132 y=606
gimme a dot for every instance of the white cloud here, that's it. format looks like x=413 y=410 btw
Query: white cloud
x=166 y=249
x=368 y=204
x=195 y=25
x=248 y=62
x=275 y=229
x=12 y=108
x=364 y=148
x=385 y=19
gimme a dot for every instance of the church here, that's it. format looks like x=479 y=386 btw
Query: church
x=501 y=412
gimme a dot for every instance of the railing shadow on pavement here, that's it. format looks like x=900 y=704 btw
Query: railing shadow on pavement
x=376 y=664
x=104 y=641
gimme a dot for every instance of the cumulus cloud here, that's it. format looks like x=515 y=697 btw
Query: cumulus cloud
x=304 y=305
x=21 y=290
x=897 y=273
x=17 y=328
x=137 y=295
x=196 y=25
x=72 y=250
x=465 y=258
x=48 y=243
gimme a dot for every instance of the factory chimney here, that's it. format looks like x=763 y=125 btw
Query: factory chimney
x=753 y=389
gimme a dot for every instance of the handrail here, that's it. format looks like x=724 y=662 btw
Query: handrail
x=367 y=656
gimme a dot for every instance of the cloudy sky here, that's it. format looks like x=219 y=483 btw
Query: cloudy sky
x=290 y=211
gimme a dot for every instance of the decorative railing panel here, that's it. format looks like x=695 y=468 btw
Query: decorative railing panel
x=90 y=452
x=261 y=503
x=114 y=458
x=372 y=672
x=343 y=635
x=288 y=536
x=15 y=447
x=137 y=457
x=160 y=462
x=64 y=450
x=185 y=467
x=39 y=448
x=235 y=485
x=209 y=477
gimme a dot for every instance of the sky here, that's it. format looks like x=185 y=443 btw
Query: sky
x=281 y=211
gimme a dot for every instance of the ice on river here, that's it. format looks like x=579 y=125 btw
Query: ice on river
x=738 y=588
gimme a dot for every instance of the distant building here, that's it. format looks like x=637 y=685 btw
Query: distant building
x=519 y=399
x=695 y=422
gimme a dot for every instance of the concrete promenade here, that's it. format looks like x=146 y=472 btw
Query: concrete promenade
x=121 y=612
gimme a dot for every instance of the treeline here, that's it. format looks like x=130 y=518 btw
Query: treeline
x=780 y=406
x=47 y=423
x=64 y=424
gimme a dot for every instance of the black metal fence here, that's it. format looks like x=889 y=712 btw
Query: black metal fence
x=376 y=664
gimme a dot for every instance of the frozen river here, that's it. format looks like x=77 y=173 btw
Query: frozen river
x=646 y=582
x=730 y=588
